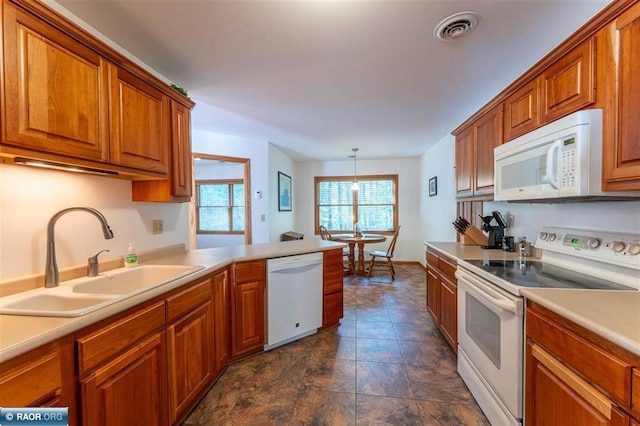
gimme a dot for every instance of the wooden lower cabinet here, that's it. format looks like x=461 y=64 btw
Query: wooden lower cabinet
x=574 y=376
x=558 y=396
x=332 y=288
x=442 y=295
x=449 y=312
x=130 y=389
x=433 y=294
x=221 y=318
x=190 y=352
x=248 y=307
x=43 y=377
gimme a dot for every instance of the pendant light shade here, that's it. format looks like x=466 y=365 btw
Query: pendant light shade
x=354 y=185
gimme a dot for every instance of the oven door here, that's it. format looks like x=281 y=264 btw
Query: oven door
x=490 y=332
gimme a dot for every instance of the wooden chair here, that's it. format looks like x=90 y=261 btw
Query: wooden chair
x=388 y=255
x=324 y=233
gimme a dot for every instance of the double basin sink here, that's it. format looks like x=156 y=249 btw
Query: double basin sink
x=84 y=295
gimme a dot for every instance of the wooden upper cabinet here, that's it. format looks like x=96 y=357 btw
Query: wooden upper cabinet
x=488 y=135
x=569 y=84
x=621 y=147
x=181 y=161
x=56 y=98
x=521 y=111
x=474 y=155
x=178 y=186
x=140 y=128
x=464 y=163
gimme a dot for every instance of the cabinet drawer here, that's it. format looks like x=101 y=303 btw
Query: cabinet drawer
x=432 y=259
x=185 y=301
x=332 y=279
x=609 y=373
x=105 y=343
x=34 y=383
x=332 y=258
x=635 y=396
x=448 y=268
x=249 y=271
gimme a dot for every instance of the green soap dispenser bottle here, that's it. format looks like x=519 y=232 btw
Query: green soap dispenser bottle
x=131 y=259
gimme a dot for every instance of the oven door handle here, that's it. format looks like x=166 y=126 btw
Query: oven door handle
x=488 y=294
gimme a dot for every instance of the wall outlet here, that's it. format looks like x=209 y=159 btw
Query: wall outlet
x=157 y=226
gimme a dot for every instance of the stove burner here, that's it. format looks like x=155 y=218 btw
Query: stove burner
x=536 y=274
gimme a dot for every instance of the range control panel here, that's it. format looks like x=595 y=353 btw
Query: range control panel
x=623 y=249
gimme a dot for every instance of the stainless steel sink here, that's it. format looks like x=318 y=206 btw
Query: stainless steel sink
x=134 y=280
x=83 y=295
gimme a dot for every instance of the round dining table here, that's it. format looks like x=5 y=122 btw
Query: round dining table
x=360 y=241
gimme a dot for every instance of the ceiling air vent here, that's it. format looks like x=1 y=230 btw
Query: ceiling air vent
x=456 y=26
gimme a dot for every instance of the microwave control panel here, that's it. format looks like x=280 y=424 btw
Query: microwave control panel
x=568 y=162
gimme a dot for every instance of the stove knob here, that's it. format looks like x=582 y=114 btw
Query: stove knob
x=552 y=236
x=594 y=243
x=543 y=236
x=633 y=249
x=617 y=246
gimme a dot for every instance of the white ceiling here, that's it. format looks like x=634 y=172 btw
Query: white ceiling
x=318 y=78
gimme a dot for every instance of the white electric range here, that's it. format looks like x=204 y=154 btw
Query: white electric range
x=491 y=309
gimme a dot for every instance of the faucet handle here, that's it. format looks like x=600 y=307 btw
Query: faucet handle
x=94 y=259
x=93 y=268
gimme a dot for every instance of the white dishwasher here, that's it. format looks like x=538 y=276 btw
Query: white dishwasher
x=294 y=298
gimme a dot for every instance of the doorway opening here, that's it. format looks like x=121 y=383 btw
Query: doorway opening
x=211 y=173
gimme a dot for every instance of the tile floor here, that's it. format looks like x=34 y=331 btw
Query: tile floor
x=385 y=364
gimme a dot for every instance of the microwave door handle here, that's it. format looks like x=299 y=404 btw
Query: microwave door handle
x=552 y=160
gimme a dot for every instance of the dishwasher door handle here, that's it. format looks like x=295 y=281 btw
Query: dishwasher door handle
x=294 y=267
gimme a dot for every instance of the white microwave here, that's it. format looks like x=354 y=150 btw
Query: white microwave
x=561 y=161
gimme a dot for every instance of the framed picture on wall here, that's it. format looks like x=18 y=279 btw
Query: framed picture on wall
x=284 y=192
x=433 y=186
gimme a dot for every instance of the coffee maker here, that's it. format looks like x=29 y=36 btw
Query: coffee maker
x=496 y=232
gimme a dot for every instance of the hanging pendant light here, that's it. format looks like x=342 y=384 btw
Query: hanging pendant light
x=354 y=185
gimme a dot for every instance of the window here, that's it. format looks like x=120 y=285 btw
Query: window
x=374 y=206
x=220 y=207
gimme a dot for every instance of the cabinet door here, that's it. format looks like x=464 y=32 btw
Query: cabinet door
x=557 y=396
x=433 y=294
x=621 y=150
x=130 y=389
x=55 y=91
x=488 y=135
x=449 y=312
x=181 y=159
x=332 y=308
x=521 y=111
x=569 y=84
x=464 y=163
x=139 y=123
x=190 y=358
x=222 y=318
x=248 y=328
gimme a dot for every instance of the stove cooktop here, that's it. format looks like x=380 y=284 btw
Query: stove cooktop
x=536 y=274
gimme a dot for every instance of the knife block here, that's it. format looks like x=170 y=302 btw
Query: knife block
x=473 y=237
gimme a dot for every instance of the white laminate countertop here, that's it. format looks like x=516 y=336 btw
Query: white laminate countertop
x=614 y=315
x=19 y=334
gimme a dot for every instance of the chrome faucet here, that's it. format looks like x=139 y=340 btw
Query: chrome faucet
x=51 y=275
